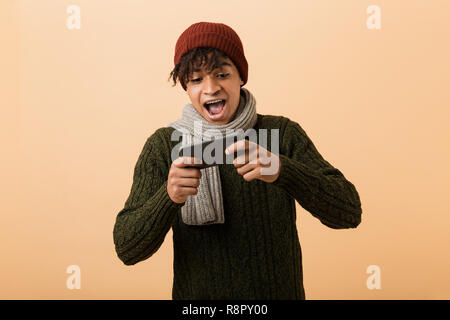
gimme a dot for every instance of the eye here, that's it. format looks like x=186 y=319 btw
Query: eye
x=220 y=75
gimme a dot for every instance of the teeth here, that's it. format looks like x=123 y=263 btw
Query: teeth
x=213 y=101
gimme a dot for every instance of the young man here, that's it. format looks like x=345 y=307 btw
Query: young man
x=234 y=225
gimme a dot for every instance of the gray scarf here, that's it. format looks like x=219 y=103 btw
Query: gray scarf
x=206 y=207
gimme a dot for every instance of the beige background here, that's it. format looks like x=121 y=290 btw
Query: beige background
x=78 y=105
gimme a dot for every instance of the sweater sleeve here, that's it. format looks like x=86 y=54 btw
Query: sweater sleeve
x=317 y=186
x=148 y=213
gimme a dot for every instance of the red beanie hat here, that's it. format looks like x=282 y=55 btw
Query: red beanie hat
x=215 y=35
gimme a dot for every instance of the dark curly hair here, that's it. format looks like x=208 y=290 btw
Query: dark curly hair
x=195 y=59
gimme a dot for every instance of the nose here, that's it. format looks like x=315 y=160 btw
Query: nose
x=210 y=85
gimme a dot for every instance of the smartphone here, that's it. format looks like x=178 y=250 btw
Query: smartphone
x=212 y=152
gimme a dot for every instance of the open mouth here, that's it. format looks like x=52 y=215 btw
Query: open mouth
x=215 y=108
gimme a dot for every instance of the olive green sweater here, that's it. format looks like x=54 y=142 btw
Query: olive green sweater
x=256 y=253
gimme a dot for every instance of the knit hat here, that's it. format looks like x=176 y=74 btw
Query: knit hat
x=214 y=35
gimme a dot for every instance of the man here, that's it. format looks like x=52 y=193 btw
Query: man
x=234 y=225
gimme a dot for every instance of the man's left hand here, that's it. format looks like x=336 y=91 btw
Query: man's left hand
x=256 y=163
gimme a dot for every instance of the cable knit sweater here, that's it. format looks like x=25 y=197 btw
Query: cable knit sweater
x=256 y=253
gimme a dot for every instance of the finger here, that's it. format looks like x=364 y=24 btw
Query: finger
x=189 y=173
x=188 y=182
x=182 y=162
x=246 y=168
x=248 y=157
x=253 y=174
x=240 y=160
x=264 y=157
x=239 y=145
x=186 y=191
x=264 y=160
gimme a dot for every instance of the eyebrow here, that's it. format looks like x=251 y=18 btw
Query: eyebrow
x=221 y=65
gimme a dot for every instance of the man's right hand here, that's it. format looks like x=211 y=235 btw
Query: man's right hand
x=184 y=179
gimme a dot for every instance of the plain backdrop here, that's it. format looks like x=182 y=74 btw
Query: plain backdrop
x=78 y=105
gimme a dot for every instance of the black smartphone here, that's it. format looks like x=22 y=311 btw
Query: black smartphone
x=212 y=152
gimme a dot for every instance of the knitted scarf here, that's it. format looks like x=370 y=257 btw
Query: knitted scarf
x=206 y=207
